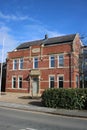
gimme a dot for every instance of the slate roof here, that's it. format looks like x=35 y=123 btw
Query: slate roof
x=48 y=41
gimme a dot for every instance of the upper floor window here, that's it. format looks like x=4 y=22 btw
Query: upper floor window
x=14 y=64
x=21 y=63
x=35 y=63
x=61 y=60
x=52 y=61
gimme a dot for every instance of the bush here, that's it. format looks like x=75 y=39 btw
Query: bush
x=65 y=98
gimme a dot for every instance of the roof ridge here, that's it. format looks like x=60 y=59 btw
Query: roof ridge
x=48 y=41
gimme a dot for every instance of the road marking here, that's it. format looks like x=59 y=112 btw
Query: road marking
x=28 y=129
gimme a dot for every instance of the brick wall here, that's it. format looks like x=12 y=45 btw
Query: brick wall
x=68 y=71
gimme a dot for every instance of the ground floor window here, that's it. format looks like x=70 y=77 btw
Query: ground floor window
x=19 y=82
x=13 y=82
x=77 y=81
x=60 y=81
x=51 y=82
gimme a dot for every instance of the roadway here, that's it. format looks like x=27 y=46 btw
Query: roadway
x=11 y=119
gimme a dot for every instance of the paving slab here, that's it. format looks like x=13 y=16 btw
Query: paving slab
x=25 y=102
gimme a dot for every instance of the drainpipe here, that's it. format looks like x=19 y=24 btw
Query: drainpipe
x=82 y=71
x=70 y=74
x=41 y=53
x=30 y=54
x=71 y=65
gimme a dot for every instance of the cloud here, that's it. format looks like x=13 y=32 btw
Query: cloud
x=13 y=17
x=9 y=42
x=25 y=32
x=30 y=32
x=36 y=31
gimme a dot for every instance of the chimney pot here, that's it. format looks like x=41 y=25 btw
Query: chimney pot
x=46 y=36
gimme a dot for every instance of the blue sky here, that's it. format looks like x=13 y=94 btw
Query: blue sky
x=26 y=20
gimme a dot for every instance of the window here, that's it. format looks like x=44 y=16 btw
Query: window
x=52 y=61
x=19 y=82
x=77 y=81
x=14 y=64
x=61 y=60
x=60 y=81
x=13 y=82
x=21 y=63
x=35 y=63
x=51 y=82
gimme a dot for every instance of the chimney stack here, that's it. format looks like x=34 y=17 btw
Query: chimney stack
x=46 y=36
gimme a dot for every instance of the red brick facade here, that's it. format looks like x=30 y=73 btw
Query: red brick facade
x=29 y=77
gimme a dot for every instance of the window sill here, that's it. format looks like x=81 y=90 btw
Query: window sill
x=60 y=67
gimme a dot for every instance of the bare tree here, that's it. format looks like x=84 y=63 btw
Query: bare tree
x=83 y=62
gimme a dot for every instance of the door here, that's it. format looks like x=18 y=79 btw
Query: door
x=35 y=86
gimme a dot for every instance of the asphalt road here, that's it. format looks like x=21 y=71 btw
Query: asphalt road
x=24 y=120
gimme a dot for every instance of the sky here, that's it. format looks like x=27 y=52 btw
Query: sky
x=27 y=20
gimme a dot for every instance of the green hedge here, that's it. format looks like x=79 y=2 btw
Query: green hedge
x=65 y=98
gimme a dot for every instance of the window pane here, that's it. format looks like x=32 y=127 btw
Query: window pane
x=77 y=81
x=52 y=61
x=15 y=64
x=21 y=63
x=52 y=82
x=20 y=82
x=14 y=82
x=61 y=60
x=35 y=62
x=61 y=82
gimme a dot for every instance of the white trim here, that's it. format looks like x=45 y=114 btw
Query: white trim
x=60 y=75
x=20 y=62
x=18 y=81
x=12 y=82
x=13 y=64
x=34 y=62
x=49 y=79
x=58 y=60
x=50 y=61
x=17 y=89
x=46 y=55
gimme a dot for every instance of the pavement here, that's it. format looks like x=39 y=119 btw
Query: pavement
x=23 y=101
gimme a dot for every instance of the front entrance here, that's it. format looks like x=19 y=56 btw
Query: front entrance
x=35 y=86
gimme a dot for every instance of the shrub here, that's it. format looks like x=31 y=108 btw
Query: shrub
x=65 y=98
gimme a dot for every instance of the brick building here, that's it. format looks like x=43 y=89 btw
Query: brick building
x=83 y=67
x=48 y=63
x=0 y=74
x=2 y=77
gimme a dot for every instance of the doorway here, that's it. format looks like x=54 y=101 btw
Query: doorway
x=35 y=86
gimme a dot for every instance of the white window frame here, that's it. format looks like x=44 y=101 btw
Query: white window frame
x=50 y=61
x=34 y=62
x=20 y=63
x=58 y=60
x=77 y=81
x=61 y=75
x=12 y=82
x=50 y=80
x=18 y=82
x=14 y=65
